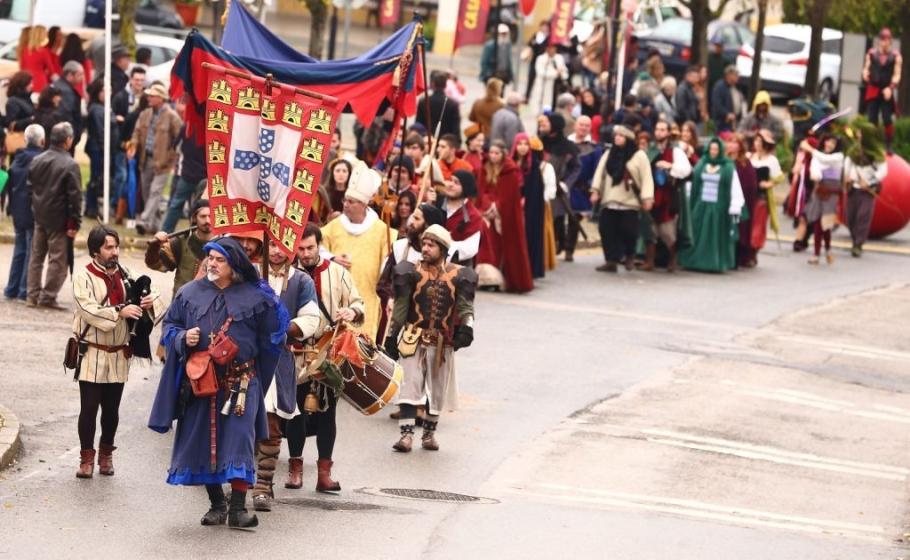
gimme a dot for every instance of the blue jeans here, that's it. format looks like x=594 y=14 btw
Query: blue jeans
x=17 y=287
x=182 y=191
x=118 y=185
x=95 y=181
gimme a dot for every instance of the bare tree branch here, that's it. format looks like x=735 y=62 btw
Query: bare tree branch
x=720 y=8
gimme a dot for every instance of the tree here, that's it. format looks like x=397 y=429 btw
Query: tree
x=319 y=11
x=817 y=21
x=755 y=79
x=702 y=15
x=128 y=25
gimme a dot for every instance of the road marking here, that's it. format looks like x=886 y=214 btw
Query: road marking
x=703 y=510
x=780 y=456
x=867 y=247
x=848 y=349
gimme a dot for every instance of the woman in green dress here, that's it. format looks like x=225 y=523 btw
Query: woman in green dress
x=715 y=203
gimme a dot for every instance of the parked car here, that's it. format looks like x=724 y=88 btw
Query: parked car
x=785 y=56
x=673 y=40
x=647 y=16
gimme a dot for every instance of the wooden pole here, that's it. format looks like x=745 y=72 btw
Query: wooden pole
x=308 y=93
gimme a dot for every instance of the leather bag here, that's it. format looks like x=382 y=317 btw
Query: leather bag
x=407 y=342
x=223 y=349
x=201 y=372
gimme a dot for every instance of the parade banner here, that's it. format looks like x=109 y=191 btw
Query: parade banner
x=561 y=24
x=527 y=7
x=389 y=12
x=472 y=23
x=266 y=144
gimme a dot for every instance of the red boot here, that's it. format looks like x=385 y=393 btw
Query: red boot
x=324 y=482
x=106 y=459
x=295 y=474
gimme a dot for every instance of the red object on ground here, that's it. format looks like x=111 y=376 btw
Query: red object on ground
x=892 y=206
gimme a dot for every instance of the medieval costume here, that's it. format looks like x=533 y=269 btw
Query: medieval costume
x=298 y=295
x=826 y=170
x=748 y=181
x=564 y=157
x=335 y=289
x=365 y=244
x=182 y=253
x=550 y=184
x=434 y=309
x=104 y=335
x=622 y=183
x=864 y=171
x=716 y=202
x=463 y=221
x=882 y=74
x=503 y=258
x=769 y=173
x=214 y=442
x=665 y=213
x=533 y=193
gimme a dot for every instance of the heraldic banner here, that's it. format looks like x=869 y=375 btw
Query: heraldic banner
x=264 y=154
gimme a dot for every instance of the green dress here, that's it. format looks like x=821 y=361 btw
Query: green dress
x=714 y=221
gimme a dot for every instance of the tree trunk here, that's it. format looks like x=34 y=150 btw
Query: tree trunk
x=128 y=25
x=817 y=21
x=318 y=12
x=700 y=16
x=755 y=79
x=903 y=90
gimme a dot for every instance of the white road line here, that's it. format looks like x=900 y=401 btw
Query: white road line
x=766 y=450
x=846 y=348
x=702 y=510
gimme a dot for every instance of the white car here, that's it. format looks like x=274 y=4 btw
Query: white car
x=785 y=57
x=648 y=15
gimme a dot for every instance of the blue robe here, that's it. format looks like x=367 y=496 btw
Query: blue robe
x=259 y=325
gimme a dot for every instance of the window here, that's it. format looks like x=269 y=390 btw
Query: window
x=832 y=46
x=780 y=45
x=158 y=55
x=747 y=37
x=729 y=37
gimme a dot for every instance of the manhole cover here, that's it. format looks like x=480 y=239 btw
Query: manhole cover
x=428 y=495
x=329 y=505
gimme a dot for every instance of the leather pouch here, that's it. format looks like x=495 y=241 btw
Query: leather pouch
x=201 y=372
x=407 y=342
x=223 y=349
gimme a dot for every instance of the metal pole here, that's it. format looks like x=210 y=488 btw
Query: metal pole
x=347 y=27
x=333 y=32
x=620 y=63
x=108 y=18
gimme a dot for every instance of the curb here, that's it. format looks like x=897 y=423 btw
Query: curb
x=80 y=243
x=9 y=437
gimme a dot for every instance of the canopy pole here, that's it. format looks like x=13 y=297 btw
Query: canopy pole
x=270 y=82
x=108 y=9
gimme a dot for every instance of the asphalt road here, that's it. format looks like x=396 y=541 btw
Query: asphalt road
x=627 y=416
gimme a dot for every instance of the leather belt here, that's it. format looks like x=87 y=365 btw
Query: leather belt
x=125 y=348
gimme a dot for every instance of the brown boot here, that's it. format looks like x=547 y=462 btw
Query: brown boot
x=650 y=253
x=295 y=474
x=121 y=211
x=106 y=459
x=404 y=443
x=324 y=482
x=629 y=263
x=672 y=265
x=86 y=463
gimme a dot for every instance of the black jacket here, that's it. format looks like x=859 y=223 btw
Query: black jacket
x=95 y=129
x=19 y=112
x=56 y=187
x=721 y=103
x=71 y=107
x=20 y=196
x=687 y=104
x=451 y=120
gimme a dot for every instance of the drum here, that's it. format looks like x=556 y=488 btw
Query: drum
x=370 y=378
x=372 y=387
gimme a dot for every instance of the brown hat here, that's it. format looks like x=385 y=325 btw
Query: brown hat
x=625 y=131
x=472 y=131
x=767 y=137
x=157 y=90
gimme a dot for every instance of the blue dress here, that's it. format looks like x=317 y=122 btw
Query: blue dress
x=259 y=322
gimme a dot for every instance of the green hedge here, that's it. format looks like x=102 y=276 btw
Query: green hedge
x=901 y=142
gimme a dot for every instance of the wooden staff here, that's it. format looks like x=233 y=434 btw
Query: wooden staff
x=270 y=83
x=427 y=179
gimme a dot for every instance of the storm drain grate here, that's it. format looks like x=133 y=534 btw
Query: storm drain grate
x=428 y=495
x=329 y=505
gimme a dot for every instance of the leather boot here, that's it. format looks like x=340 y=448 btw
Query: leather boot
x=86 y=463
x=672 y=265
x=238 y=518
x=650 y=253
x=324 y=482
x=106 y=459
x=218 y=510
x=428 y=439
x=629 y=263
x=295 y=474
x=407 y=437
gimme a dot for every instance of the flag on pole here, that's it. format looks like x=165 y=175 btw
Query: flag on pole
x=265 y=147
x=561 y=24
x=527 y=7
x=389 y=12
x=472 y=23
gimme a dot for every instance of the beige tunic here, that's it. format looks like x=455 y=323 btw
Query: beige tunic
x=106 y=327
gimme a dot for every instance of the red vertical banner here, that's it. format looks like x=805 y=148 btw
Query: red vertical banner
x=472 y=22
x=264 y=153
x=561 y=24
x=527 y=7
x=389 y=12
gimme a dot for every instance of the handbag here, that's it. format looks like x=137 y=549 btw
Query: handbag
x=223 y=349
x=407 y=342
x=14 y=142
x=201 y=372
x=76 y=347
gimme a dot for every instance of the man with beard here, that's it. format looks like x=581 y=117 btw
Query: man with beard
x=669 y=166
x=182 y=253
x=225 y=337
x=338 y=300
x=298 y=294
x=408 y=248
x=435 y=301
x=577 y=200
x=100 y=325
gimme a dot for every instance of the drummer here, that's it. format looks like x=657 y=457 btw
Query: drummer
x=338 y=300
x=434 y=313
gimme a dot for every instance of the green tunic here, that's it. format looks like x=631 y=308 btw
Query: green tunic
x=714 y=232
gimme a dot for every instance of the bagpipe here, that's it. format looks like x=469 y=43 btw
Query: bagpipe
x=141 y=328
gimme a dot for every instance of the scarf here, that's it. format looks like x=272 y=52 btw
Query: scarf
x=113 y=283
x=617 y=158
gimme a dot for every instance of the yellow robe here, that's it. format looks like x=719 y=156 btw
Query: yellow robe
x=366 y=246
